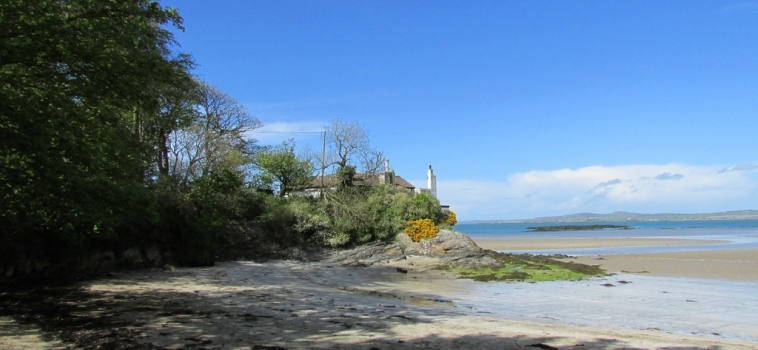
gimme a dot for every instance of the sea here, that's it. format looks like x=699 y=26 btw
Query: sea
x=712 y=309
x=733 y=234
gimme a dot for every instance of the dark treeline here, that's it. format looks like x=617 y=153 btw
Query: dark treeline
x=109 y=142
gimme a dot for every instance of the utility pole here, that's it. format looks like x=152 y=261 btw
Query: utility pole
x=323 y=147
x=323 y=152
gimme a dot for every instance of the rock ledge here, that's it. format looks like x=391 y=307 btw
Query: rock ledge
x=448 y=247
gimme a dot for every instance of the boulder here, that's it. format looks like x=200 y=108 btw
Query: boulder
x=131 y=257
x=168 y=258
x=153 y=255
x=368 y=254
x=106 y=261
x=447 y=247
x=91 y=261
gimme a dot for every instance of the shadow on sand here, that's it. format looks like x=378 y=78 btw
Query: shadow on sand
x=140 y=310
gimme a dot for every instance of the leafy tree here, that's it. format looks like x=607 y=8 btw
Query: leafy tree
x=346 y=175
x=213 y=140
x=281 y=167
x=74 y=75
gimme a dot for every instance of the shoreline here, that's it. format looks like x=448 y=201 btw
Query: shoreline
x=739 y=265
x=566 y=243
x=298 y=305
x=728 y=265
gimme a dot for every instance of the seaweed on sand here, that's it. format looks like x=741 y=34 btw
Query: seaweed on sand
x=525 y=267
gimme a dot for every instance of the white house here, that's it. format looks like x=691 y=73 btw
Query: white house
x=331 y=182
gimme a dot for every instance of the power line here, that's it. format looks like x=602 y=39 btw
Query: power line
x=323 y=147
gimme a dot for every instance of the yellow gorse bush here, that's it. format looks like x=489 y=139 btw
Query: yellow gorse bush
x=421 y=229
x=451 y=218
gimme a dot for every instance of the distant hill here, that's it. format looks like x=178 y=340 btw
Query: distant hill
x=626 y=216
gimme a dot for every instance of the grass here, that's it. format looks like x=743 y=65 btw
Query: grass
x=526 y=267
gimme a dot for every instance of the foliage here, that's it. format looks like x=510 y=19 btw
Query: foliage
x=421 y=229
x=193 y=223
x=72 y=75
x=362 y=214
x=106 y=139
x=345 y=176
x=211 y=139
x=449 y=218
x=282 y=168
x=348 y=215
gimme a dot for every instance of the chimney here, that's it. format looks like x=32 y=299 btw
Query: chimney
x=388 y=177
x=431 y=182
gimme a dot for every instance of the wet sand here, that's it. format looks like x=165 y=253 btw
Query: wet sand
x=295 y=305
x=730 y=265
x=571 y=243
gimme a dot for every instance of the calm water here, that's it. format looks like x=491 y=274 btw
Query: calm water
x=737 y=234
x=708 y=308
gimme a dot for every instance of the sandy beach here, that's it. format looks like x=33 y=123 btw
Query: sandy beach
x=732 y=265
x=565 y=243
x=684 y=300
x=297 y=305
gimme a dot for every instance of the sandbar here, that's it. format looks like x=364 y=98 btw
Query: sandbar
x=573 y=243
x=730 y=265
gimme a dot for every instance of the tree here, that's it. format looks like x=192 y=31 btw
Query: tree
x=214 y=140
x=75 y=78
x=349 y=145
x=283 y=168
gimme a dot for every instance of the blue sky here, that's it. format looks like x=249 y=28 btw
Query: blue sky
x=524 y=108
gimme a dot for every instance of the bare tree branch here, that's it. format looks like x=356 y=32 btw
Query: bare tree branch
x=349 y=145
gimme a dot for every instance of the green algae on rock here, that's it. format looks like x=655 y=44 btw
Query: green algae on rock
x=525 y=267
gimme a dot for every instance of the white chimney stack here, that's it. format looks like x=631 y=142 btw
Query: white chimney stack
x=386 y=165
x=431 y=182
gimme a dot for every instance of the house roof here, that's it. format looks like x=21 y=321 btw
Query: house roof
x=360 y=179
x=397 y=180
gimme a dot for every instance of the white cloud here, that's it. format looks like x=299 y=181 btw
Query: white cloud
x=639 y=188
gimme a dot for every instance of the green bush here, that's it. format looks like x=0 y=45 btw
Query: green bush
x=361 y=214
x=294 y=221
x=191 y=223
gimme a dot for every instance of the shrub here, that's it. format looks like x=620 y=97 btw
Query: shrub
x=421 y=229
x=293 y=222
x=349 y=215
x=450 y=218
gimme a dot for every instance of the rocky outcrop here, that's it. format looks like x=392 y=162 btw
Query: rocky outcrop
x=84 y=263
x=446 y=248
x=244 y=240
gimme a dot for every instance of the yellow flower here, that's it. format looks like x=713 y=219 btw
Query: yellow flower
x=421 y=229
x=451 y=219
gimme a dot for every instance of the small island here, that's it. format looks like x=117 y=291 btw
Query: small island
x=577 y=228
